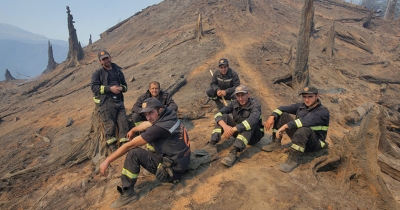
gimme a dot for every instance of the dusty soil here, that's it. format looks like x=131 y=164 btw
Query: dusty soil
x=152 y=46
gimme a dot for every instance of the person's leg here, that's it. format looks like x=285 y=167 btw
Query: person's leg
x=134 y=159
x=108 y=115
x=303 y=140
x=218 y=131
x=276 y=142
x=213 y=96
x=122 y=122
x=211 y=148
x=247 y=137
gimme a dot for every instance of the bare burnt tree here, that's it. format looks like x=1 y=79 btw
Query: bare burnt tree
x=51 y=64
x=75 y=52
x=249 y=8
x=301 y=74
x=390 y=10
x=90 y=39
x=368 y=22
x=329 y=48
x=8 y=76
x=199 y=28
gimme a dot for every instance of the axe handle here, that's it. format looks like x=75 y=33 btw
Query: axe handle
x=223 y=98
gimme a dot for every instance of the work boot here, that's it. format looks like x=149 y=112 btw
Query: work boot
x=210 y=149
x=292 y=161
x=196 y=161
x=127 y=195
x=219 y=104
x=274 y=145
x=229 y=159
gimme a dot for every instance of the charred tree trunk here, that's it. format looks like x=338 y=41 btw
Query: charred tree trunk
x=91 y=147
x=329 y=48
x=354 y=39
x=199 y=34
x=288 y=58
x=75 y=52
x=368 y=23
x=249 y=8
x=51 y=64
x=301 y=74
x=360 y=157
x=390 y=10
x=8 y=76
x=90 y=39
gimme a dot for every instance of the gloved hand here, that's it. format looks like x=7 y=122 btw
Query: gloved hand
x=162 y=174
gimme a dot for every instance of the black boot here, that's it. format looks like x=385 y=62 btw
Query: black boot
x=230 y=158
x=274 y=145
x=127 y=195
x=292 y=161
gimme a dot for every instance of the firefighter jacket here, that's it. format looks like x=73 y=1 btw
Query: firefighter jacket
x=100 y=86
x=163 y=97
x=175 y=147
x=227 y=82
x=316 y=118
x=246 y=118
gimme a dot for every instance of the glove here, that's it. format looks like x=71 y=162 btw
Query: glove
x=161 y=174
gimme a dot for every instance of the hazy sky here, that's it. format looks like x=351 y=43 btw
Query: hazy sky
x=49 y=17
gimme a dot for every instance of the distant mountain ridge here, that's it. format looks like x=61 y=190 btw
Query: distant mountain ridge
x=25 y=53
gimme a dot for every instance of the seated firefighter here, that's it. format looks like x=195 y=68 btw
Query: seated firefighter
x=223 y=83
x=164 y=131
x=307 y=132
x=246 y=126
x=155 y=92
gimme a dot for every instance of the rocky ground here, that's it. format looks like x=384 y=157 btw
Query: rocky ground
x=157 y=44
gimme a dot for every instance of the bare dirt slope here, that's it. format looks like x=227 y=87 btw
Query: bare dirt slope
x=157 y=45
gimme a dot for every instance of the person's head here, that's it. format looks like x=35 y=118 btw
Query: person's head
x=151 y=109
x=310 y=96
x=104 y=59
x=242 y=94
x=223 y=65
x=154 y=88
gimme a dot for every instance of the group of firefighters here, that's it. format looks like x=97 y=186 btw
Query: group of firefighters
x=156 y=125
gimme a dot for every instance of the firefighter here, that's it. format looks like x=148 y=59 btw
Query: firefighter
x=108 y=85
x=223 y=83
x=246 y=126
x=307 y=132
x=155 y=92
x=165 y=132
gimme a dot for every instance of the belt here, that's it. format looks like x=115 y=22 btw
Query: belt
x=114 y=100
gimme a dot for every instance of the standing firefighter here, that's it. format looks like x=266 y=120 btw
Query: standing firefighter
x=108 y=84
x=223 y=83
x=307 y=132
x=164 y=131
x=246 y=126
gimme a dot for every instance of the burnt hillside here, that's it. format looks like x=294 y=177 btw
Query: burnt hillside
x=256 y=37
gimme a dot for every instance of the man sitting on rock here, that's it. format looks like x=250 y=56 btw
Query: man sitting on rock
x=246 y=126
x=307 y=132
x=164 y=131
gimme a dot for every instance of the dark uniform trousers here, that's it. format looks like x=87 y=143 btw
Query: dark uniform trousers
x=134 y=159
x=112 y=113
x=213 y=95
x=302 y=137
x=247 y=137
x=138 y=118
